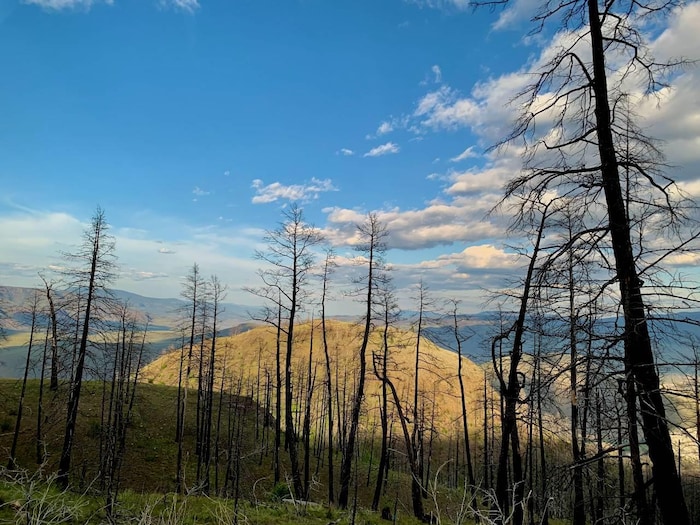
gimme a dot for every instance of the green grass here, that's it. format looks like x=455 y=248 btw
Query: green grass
x=148 y=475
x=32 y=498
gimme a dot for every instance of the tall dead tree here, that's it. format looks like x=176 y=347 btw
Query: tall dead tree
x=328 y=266
x=459 y=339
x=128 y=354
x=411 y=446
x=289 y=259
x=372 y=246
x=424 y=302
x=192 y=293
x=510 y=392
x=577 y=98
x=388 y=313
x=93 y=270
x=20 y=406
x=217 y=292
x=48 y=287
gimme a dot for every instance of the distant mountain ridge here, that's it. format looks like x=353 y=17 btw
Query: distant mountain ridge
x=165 y=315
x=166 y=312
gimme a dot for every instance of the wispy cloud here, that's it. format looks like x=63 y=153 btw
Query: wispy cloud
x=384 y=149
x=293 y=192
x=516 y=13
x=387 y=126
x=166 y=251
x=384 y=128
x=188 y=6
x=59 y=5
x=140 y=275
x=466 y=154
x=199 y=192
x=438 y=73
x=460 y=5
x=345 y=151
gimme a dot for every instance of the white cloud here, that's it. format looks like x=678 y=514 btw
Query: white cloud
x=384 y=149
x=490 y=178
x=437 y=72
x=460 y=5
x=345 y=151
x=58 y=5
x=294 y=192
x=24 y=234
x=187 y=6
x=140 y=275
x=672 y=115
x=387 y=126
x=481 y=257
x=384 y=128
x=166 y=251
x=199 y=192
x=468 y=153
x=33 y=242
x=516 y=12
x=438 y=224
x=444 y=109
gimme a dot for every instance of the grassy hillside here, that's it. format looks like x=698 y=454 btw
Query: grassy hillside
x=149 y=465
x=243 y=355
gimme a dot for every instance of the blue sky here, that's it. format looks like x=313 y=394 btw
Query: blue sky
x=193 y=123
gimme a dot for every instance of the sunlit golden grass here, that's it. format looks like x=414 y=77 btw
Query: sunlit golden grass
x=248 y=354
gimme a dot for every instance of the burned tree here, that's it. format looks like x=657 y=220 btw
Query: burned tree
x=288 y=259
x=591 y=152
x=93 y=270
x=373 y=234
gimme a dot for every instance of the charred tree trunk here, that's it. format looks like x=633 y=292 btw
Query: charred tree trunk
x=637 y=344
x=511 y=393
x=11 y=464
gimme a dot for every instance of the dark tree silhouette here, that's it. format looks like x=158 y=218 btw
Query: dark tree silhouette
x=94 y=270
x=373 y=234
x=289 y=258
x=588 y=148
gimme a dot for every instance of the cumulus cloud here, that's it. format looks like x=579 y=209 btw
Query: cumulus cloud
x=438 y=224
x=265 y=193
x=345 y=151
x=672 y=114
x=490 y=178
x=444 y=109
x=384 y=149
x=481 y=257
x=491 y=107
